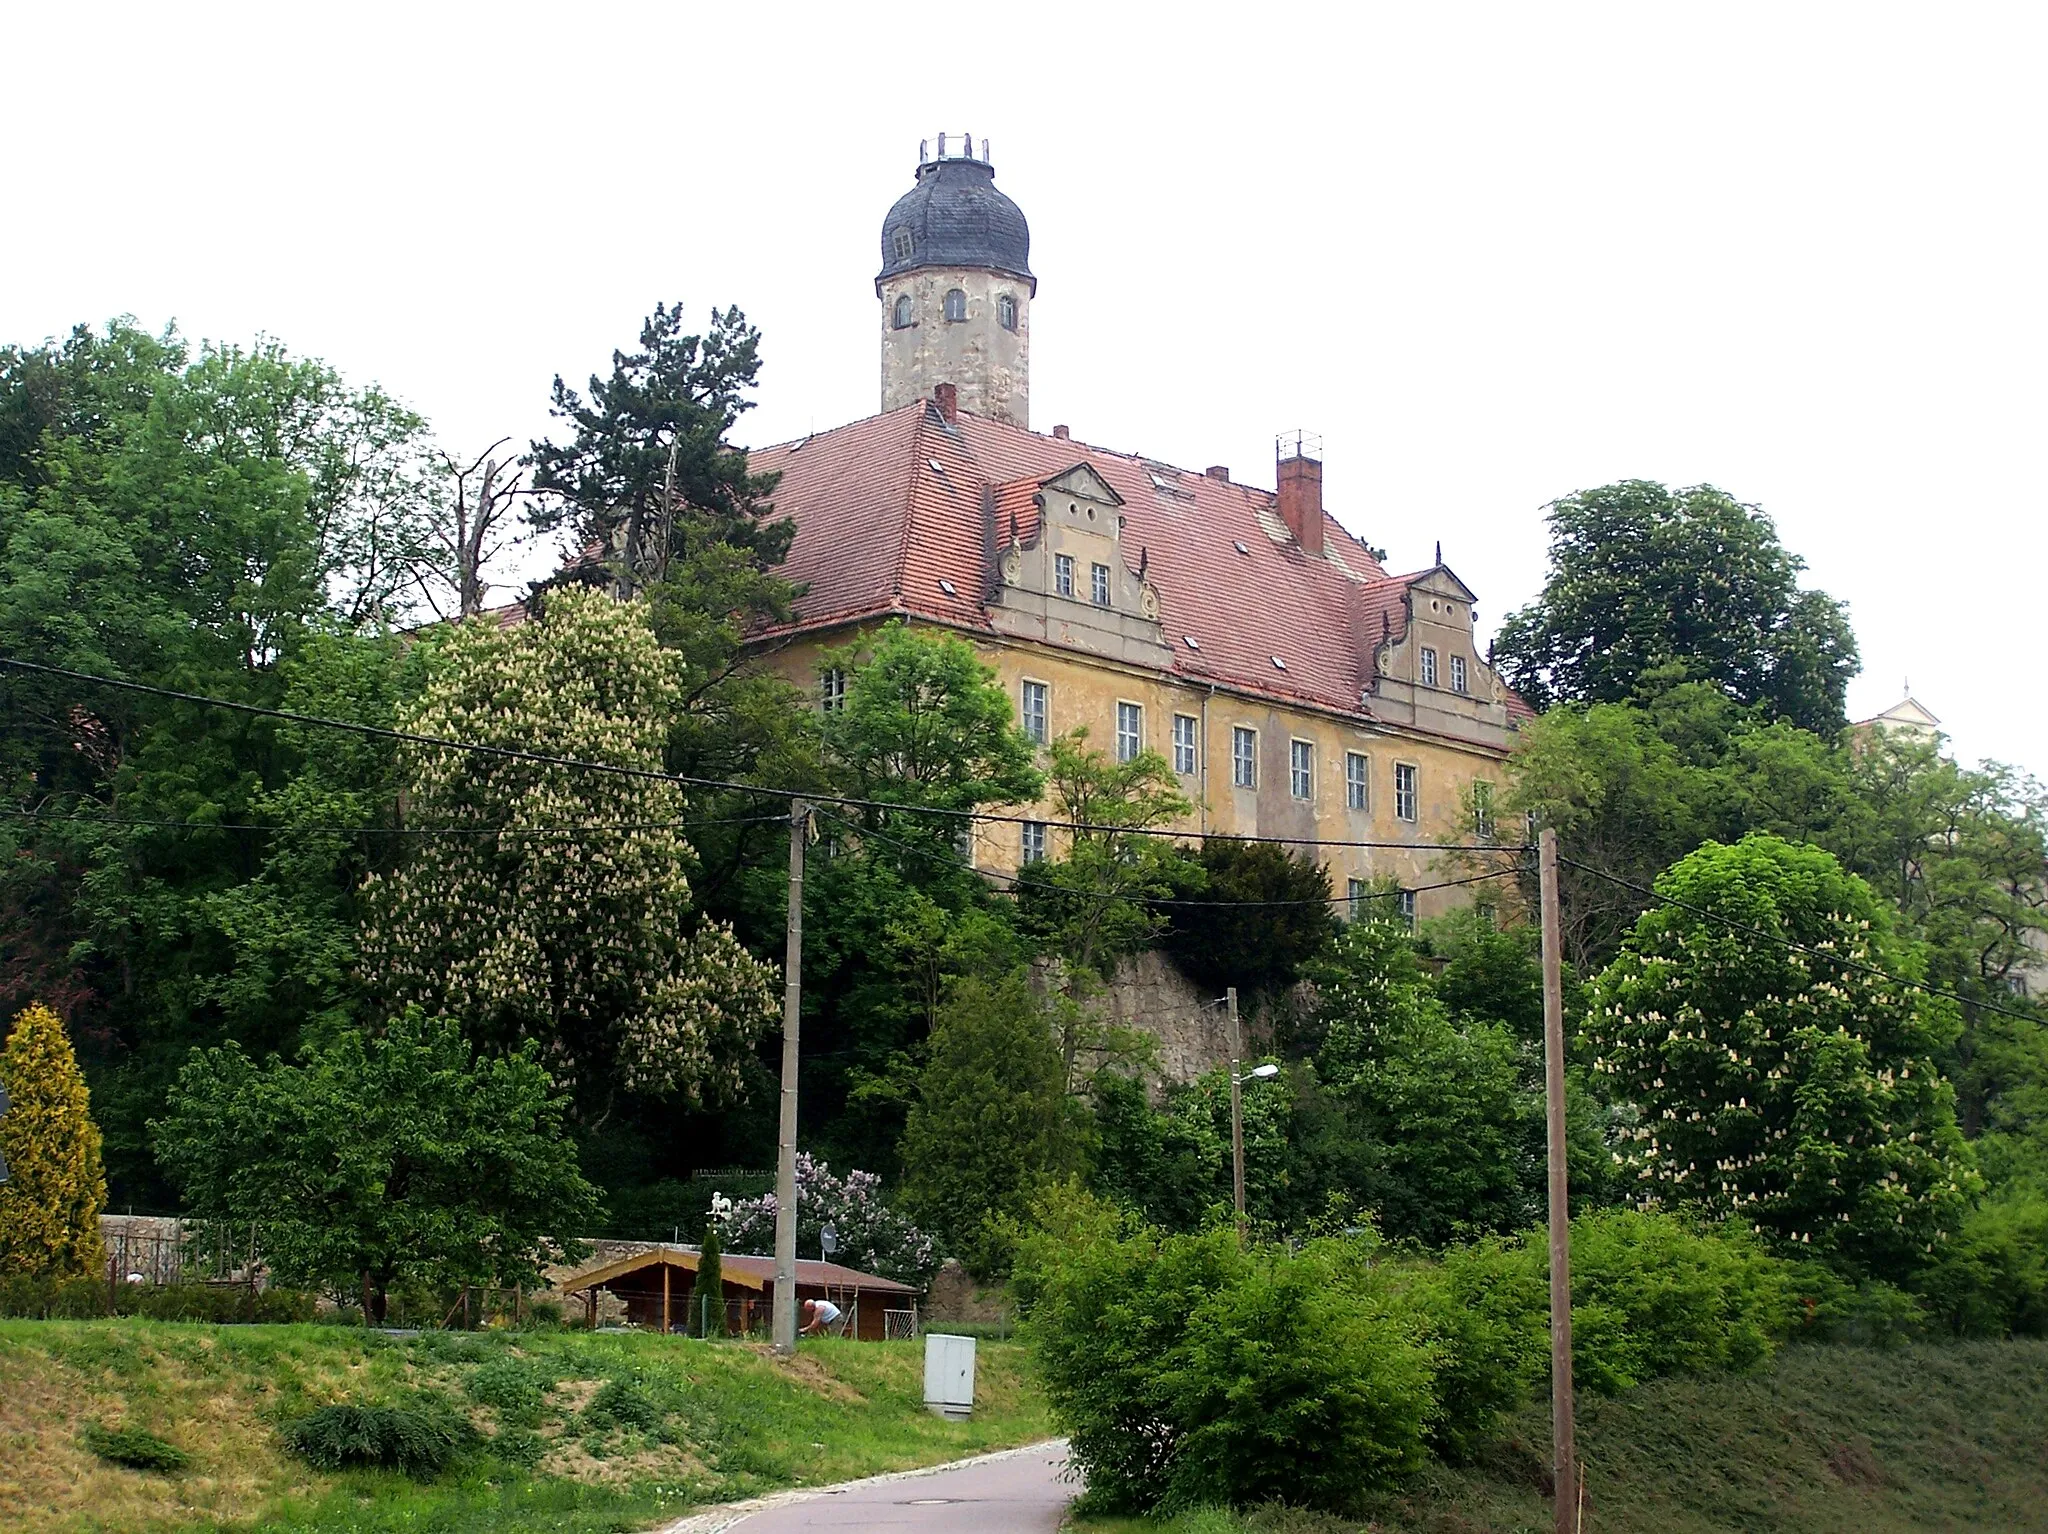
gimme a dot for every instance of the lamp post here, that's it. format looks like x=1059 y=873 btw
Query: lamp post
x=1237 y=1080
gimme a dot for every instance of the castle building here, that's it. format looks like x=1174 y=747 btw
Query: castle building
x=1298 y=689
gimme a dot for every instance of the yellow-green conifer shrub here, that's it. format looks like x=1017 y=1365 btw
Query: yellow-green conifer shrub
x=50 y=1205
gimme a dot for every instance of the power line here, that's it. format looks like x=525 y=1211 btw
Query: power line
x=346 y=830
x=1785 y=942
x=1018 y=881
x=648 y=774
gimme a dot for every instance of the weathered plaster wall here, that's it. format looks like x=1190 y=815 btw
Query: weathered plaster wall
x=991 y=366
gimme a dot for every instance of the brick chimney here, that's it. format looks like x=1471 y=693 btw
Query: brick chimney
x=1300 y=475
x=948 y=398
x=1060 y=432
x=1220 y=471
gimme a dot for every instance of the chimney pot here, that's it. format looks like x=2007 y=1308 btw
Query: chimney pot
x=1220 y=471
x=1301 y=500
x=1060 y=432
x=948 y=398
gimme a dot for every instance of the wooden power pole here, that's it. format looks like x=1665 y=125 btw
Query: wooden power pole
x=1236 y=1113
x=1564 y=1454
x=785 y=1150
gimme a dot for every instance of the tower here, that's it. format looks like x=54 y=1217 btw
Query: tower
x=956 y=288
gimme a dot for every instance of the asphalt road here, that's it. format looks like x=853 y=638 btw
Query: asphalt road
x=1022 y=1494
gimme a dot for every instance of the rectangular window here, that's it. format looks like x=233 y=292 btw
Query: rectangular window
x=1404 y=791
x=1482 y=810
x=1036 y=711
x=1301 y=768
x=1356 y=790
x=832 y=689
x=1428 y=667
x=1244 y=757
x=1186 y=760
x=1406 y=901
x=1098 y=576
x=1034 y=841
x=1484 y=910
x=1063 y=574
x=1458 y=674
x=963 y=842
x=1354 y=897
x=1130 y=731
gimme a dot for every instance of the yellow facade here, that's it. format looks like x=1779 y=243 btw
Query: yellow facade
x=1084 y=690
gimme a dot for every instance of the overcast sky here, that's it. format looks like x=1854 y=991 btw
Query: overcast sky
x=1492 y=254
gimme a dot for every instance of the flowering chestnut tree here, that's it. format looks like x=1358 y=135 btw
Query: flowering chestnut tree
x=1795 y=1091
x=869 y=1234
x=567 y=919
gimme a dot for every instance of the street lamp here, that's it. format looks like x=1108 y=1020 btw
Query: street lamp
x=1237 y=1080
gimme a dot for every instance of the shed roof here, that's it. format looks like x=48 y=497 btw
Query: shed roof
x=749 y=1272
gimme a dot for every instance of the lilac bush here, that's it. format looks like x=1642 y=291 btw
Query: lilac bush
x=872 y=1236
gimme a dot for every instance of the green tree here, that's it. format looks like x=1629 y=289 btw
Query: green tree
x=1091 y=907
x=401 y=1156
x=585 y=940
x=1445 y=1102
x=1265 y=912
x=992 y=1124
x=648 y=477
x=1692 y=582
x=1794 y=1090
x=50 y=1203
x=708 y=1292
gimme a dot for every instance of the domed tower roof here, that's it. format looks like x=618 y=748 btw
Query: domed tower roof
x=954 y=216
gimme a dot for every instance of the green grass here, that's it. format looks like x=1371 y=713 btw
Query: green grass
x=577 y=1432
x=1826 y=1440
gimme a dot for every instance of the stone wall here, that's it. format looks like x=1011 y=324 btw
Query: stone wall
x=1149 y=995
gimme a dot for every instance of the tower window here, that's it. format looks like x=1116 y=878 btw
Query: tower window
x=956 y=305
x=901 y=245
x=900 y=315
x=1006 y=311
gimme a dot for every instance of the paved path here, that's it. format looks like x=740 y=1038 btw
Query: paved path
x=1016 y=1492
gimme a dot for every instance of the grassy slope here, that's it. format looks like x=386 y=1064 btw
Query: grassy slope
x=738 y=1422
x=1826 y=1440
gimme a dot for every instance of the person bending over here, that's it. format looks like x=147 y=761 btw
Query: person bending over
x=818 y=1315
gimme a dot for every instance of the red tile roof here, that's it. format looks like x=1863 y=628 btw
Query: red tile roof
x=888 y=508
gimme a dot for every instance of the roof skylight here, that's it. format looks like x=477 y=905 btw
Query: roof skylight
x=953 y=591
x=1189 y=641
x=1238 y=544
x=1279 y=664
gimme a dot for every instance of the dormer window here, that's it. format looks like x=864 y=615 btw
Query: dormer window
x=1006 y=311
x=1428 y=667
x=1063 y=574
x=1098 y=584
x=1458 y=678
x=899 y=317
x=902 y=246
x=956 y=305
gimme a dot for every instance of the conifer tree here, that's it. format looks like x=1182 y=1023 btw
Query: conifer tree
x=50 y=1204
x=709 y=1291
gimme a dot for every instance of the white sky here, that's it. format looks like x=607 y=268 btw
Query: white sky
x=1492 y=254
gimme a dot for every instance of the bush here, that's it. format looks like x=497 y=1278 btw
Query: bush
x=1651 y=1296
x=1189 y=1371
x=223 y=1304
x=418 y=1440
x=1990 y=1279
x=133 y=1448
x=514 y=1388
x=52 y=1299
x=622 y=1403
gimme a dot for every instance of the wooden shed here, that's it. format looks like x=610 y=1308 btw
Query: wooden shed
x=658 y=1288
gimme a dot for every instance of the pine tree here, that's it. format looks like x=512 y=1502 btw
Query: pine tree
x=50 y=1204
x=709 y=1292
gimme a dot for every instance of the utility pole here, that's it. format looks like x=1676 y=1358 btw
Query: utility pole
x=1236 y=1114
x=785 y=1150
x=1564 y=1454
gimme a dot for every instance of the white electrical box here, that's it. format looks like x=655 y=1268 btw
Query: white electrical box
x=949 y=1376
